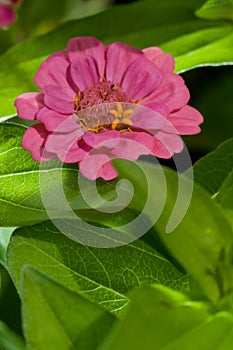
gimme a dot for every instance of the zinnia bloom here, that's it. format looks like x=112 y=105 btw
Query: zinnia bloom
x=7 y=13
x=117 y=100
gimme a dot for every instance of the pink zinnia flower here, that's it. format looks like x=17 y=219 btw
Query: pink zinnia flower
x=97 y=101
x=7 y=13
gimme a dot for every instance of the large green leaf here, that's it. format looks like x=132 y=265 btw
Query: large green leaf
x=103 y=275
x=203 y=247
x=212 y=170
x=225 y=197
x=172 y=25
x=22 y=180
x=159 y=318
x=32 y=192
x=56 y=318
x=207 y=47
x=215 y=173
x=20 y=192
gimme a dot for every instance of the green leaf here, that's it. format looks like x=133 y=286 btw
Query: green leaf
x=9 y=340
x=43 y=16
x=216 y=333
x=203 y=247
x=207 y=47
x=24 y=184
x=212 y=170
x=5 y=234
x=56 y=318
x=193 y=41
x=216 y=9
x=225 y=197
x=22 y=179
x=102 y=275
x=19 y=180
x=160 y=318
x=215 y=173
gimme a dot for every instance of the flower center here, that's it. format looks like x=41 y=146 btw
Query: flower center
x=102 y=92
x=104 y=106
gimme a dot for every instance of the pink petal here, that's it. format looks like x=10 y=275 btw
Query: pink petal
x=33 y=141
x=107 y=172
x=107 y=139
x=84 y=73
x=141 y=78
x=7 y=16
x=119 y=57
x=97 y=165
x=75 y=154
x=186 y=120
x=58 y=100
x=158 y=107
x=147 y=119
x=161 y=59
x=54 y=71
x=132 y=145
x=87 y=46
x=166 y=145
x=28 y=105
x=172 y=92
x=65 y=146
x=61 y=53
x=54 y=121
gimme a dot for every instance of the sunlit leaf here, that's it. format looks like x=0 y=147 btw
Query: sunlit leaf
x=212 y=170
x=159 y=318
x=56 y=318
x=210 y=239
x=102 y=275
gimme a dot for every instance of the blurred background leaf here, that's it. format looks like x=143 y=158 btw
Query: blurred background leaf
x=10 y=308
x=216 y=9
x=5 y=234
x=41 y=16
x=193 y=42
x=9 y=340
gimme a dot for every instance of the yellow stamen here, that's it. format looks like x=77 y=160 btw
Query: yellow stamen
x=76 y=100
x=128 y=112
x=115 y=123
x=115 y=113
x=119 y=107
x=139 y=100
x=126 y=121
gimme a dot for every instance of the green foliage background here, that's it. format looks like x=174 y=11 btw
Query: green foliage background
x=162 y=291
